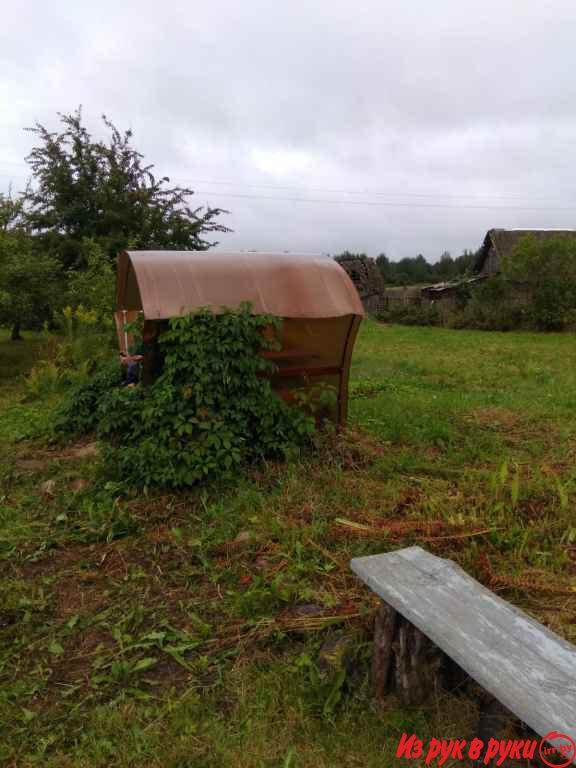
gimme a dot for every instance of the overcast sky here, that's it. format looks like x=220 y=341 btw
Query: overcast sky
x=404 y=127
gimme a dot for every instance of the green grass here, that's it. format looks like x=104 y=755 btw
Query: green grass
x=187 y=629
x=16 y=357
x=433 y=380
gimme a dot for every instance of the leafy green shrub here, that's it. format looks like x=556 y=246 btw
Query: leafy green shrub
x=500 y=304
x=30 y=281
x=43 y=380
x=77 y=414
x=47 y=378
x=211 y=410
x=489 y=306
x=553 y=304
x=85 y=337
x=93 y=286
x=67 y=358
x=547 y=268
x=411 y=314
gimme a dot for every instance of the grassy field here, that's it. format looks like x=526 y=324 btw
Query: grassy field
x=203 y=629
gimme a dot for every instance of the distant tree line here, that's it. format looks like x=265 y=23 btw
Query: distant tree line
x=416 y=269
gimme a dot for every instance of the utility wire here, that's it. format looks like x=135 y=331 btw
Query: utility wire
x=368 y=203
x=377 y=193
x=366 y=191
x=384 y=204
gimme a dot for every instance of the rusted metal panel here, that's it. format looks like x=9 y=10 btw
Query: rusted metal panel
x=168 y=284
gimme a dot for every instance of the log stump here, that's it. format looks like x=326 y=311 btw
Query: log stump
x=384 y=632
x=404 y=660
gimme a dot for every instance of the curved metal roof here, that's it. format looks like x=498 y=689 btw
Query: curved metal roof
x=168 y=284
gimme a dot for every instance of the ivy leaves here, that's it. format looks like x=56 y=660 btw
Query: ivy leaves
x=211 y=410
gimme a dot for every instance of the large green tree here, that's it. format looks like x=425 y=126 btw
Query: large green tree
x=104 y=190
x=29 y=281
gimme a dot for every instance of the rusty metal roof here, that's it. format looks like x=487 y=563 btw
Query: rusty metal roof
x=168 y=284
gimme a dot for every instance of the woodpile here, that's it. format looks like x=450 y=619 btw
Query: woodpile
x=368 y=280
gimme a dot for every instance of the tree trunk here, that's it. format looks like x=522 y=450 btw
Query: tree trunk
x=15 y=335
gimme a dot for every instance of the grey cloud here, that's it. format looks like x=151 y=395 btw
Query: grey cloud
x=464 y=103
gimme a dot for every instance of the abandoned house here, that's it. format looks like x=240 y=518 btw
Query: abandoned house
x=501 y=242
x=497 y=243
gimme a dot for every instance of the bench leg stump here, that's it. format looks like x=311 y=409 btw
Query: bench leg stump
x=404 y=660
x=384 y=632
x=411 y=678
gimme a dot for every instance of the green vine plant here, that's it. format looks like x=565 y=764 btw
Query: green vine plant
x=135 y=327
x=210 y=412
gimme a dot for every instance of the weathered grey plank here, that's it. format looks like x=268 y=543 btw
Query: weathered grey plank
x=531 y=670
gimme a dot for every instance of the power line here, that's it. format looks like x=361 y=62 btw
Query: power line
x=373 y=192
x=367 y=203
x=385 y=204
x=377 y=193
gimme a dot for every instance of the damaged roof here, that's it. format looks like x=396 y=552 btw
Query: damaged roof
x=504 y=241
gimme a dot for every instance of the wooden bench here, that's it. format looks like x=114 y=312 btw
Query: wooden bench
x=430 y=604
